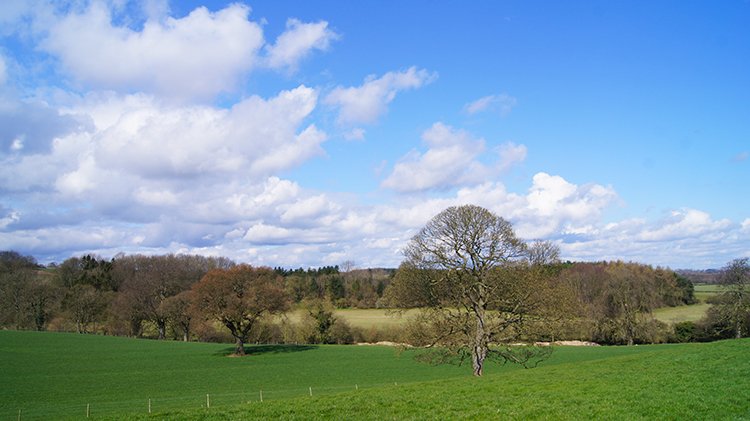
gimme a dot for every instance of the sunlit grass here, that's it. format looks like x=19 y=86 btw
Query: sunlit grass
x=685 y=382
x=56 y=375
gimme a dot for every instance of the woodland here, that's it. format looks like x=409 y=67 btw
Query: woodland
x=153 y=297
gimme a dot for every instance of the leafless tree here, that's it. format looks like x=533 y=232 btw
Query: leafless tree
x=470 y=273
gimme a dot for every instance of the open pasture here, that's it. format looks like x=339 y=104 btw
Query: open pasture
x=706 y=381
x=56 y=375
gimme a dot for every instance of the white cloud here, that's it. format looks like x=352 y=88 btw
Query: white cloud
x=504 y=101
x=366 y=103
x=684 y=239
x=451 y=161
x=254 y=138
x=196 y=56
x=3 y=70
x=687 y=223
x=556 y=206
x=297 y=41
x=510 y=155
x=740 y=157
x=355 y=134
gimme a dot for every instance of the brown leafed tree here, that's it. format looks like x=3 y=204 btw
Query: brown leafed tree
x=473 y=279
x=179 y=311
x=239 y=297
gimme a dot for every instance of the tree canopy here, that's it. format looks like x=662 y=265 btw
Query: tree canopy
x=473 y=277
x=239 y=297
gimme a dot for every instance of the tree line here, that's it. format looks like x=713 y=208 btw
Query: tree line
x=472 y=303
x=154 y=296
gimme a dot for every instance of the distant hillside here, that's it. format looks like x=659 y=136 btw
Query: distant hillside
x=707 y=276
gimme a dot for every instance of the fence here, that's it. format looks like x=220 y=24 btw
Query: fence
x=93 y=410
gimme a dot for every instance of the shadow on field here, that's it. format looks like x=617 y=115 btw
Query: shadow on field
x=251 y=350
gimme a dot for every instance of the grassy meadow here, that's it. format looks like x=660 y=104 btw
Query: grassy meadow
x=687 y=382
x=55 y=376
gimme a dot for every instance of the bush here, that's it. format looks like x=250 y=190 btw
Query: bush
x=684 y=332
x=340 y=333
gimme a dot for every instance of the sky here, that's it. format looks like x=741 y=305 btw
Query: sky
x=307 y=134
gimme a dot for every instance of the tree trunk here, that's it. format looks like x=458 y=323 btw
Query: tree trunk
x=239 y=350
x=479 y=349
x=162 y=325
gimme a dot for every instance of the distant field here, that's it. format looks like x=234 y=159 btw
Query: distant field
x=56 y=375
x=383 y=318
x=363 y=318
x=691 y=313
x=709 y=288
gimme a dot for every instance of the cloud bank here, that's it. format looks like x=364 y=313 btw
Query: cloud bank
x=124 y=149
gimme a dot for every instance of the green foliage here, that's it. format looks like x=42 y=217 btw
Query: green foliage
x=684 y=331
x=686 y=288
x=335 y=288
x=324 y=320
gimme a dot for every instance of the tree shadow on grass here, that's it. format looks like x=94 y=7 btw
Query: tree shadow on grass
x=254 y=350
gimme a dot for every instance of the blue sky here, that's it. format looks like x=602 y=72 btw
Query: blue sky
x=311 y=133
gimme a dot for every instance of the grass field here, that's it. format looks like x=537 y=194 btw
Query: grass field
x=56 y=375
x=691 y=313
x=363 y=318
x=687 y=382
x=715 y=289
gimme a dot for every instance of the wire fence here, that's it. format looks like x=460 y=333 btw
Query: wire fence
x=93 y=410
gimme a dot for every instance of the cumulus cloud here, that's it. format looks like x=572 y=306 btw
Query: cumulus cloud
x=554 y=205
x=31 y=127
x=451 y=161
x=141 y=163
x=146 y=163
x=297 y=42
x=255 y=138
x=488 y=103
x=195 y=56
x=366 y=103
x=687 y=238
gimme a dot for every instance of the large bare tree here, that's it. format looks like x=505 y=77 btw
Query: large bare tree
x=473 y=278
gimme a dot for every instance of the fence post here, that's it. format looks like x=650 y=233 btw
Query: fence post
x=310 y=390
x=88 y=407
x=261 y=396
x=208 y=401
x=149 y=406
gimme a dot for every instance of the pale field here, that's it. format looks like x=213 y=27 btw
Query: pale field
x=383 y=319
x=691 y=313
x=362 y=318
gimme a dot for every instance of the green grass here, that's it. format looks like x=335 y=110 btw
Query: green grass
x=709 y=288
x=692 y=381
x=55 y=375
